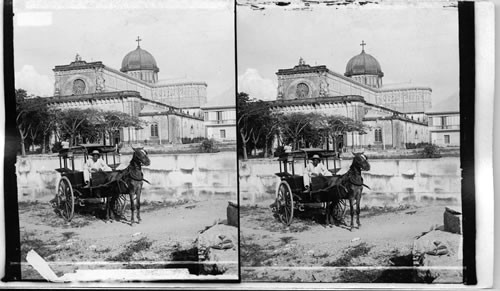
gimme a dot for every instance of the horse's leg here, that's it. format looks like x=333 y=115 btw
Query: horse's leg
x=132 y=204
x=351 y=206
x=106 y=217
x=358 y=203
x=111 y=207
x=138 y=195
x=328 y=213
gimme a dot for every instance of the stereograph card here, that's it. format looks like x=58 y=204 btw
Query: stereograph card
x=248 y=144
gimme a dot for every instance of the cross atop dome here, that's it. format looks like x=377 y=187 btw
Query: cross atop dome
x=138 y=40
x=363 y=43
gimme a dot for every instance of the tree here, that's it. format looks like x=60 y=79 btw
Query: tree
x=71 y=120
x=336 y=125
x=256 y=123
x=29 y=115
x=271 y=129
x=260 y=121
x=113 y=121
x=244 y=114
x=292 y=126
x=48 y=124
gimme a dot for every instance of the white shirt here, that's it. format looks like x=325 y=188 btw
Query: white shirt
x=92 y=166
x=319 y=170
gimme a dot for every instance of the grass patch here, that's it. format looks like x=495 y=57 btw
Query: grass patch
x=150 y=206
x=378 y=210
x=137 y=246
x=29 y=241
x=286 y=240
x=349 y=254
x=68 y=234
x=252 y=254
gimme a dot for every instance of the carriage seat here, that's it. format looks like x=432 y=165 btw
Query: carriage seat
x=296 y=182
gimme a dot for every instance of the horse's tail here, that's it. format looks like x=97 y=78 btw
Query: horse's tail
x=367 y=186
x=146 y=181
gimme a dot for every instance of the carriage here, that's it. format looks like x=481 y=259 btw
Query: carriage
x=292 y=196
x=72 y=189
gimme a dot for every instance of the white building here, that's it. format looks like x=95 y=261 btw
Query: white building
x=395 y=115
x=171 y=111
x=444 y=123
x=220 y=122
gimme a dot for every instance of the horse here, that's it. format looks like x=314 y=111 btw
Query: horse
x=349 y=186
x=130 y=181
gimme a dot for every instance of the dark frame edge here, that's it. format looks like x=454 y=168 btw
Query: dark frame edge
x=467 y=126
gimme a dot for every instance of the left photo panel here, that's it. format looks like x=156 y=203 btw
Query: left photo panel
x=126 y=141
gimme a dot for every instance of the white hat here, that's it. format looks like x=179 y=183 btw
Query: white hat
x=95 y=152
x=315 y=157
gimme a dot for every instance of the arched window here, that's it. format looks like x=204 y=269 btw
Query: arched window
x=154 y=130
x=378 y=135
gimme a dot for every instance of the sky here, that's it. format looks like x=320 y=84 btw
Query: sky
x=417 y=46
x=188 y=44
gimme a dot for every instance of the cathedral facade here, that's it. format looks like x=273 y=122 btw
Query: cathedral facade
x=395 y=116
x=170 y=111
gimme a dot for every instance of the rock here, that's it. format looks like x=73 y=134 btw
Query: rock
x=219 y=246
x=355 y=239
x=232 y=213
x=437 y=254
x=452 y=221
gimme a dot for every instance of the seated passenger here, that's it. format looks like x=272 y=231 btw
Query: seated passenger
x=96 y=164
x=314 y=169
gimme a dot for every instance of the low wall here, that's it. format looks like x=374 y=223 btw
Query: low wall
x=393 y=182
x=172 y=176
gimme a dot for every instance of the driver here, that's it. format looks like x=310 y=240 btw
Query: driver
x=314 y=169
x=96 y=164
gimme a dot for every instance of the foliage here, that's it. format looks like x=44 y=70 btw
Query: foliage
x=411 y=145
x=32 y=118
x=299 y=129
x=112 y=121
x=208 y=146
x=279 y=151
x=431 y=151
x=256 y=123
x=56 y=147
x=76 y=123
x=187 y=140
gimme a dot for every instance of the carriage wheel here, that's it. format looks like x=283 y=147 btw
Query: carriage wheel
x=284 y=203
x=65 y=199
x=339 y=209
x=119 y=204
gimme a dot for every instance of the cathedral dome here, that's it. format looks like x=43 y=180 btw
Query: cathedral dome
x=363 y=64
x=139 y=59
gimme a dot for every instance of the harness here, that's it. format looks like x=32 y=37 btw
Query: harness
x=135 y=170
x=353 y=177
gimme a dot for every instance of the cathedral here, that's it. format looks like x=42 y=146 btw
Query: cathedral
x=394 y=115
x=171 y=111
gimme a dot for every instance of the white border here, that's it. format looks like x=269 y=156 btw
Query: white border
x=483 y=140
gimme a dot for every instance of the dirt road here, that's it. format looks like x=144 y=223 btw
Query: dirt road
x=166 y=234
x=308 y=251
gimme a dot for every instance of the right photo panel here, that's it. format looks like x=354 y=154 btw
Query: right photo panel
x=349 y=143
